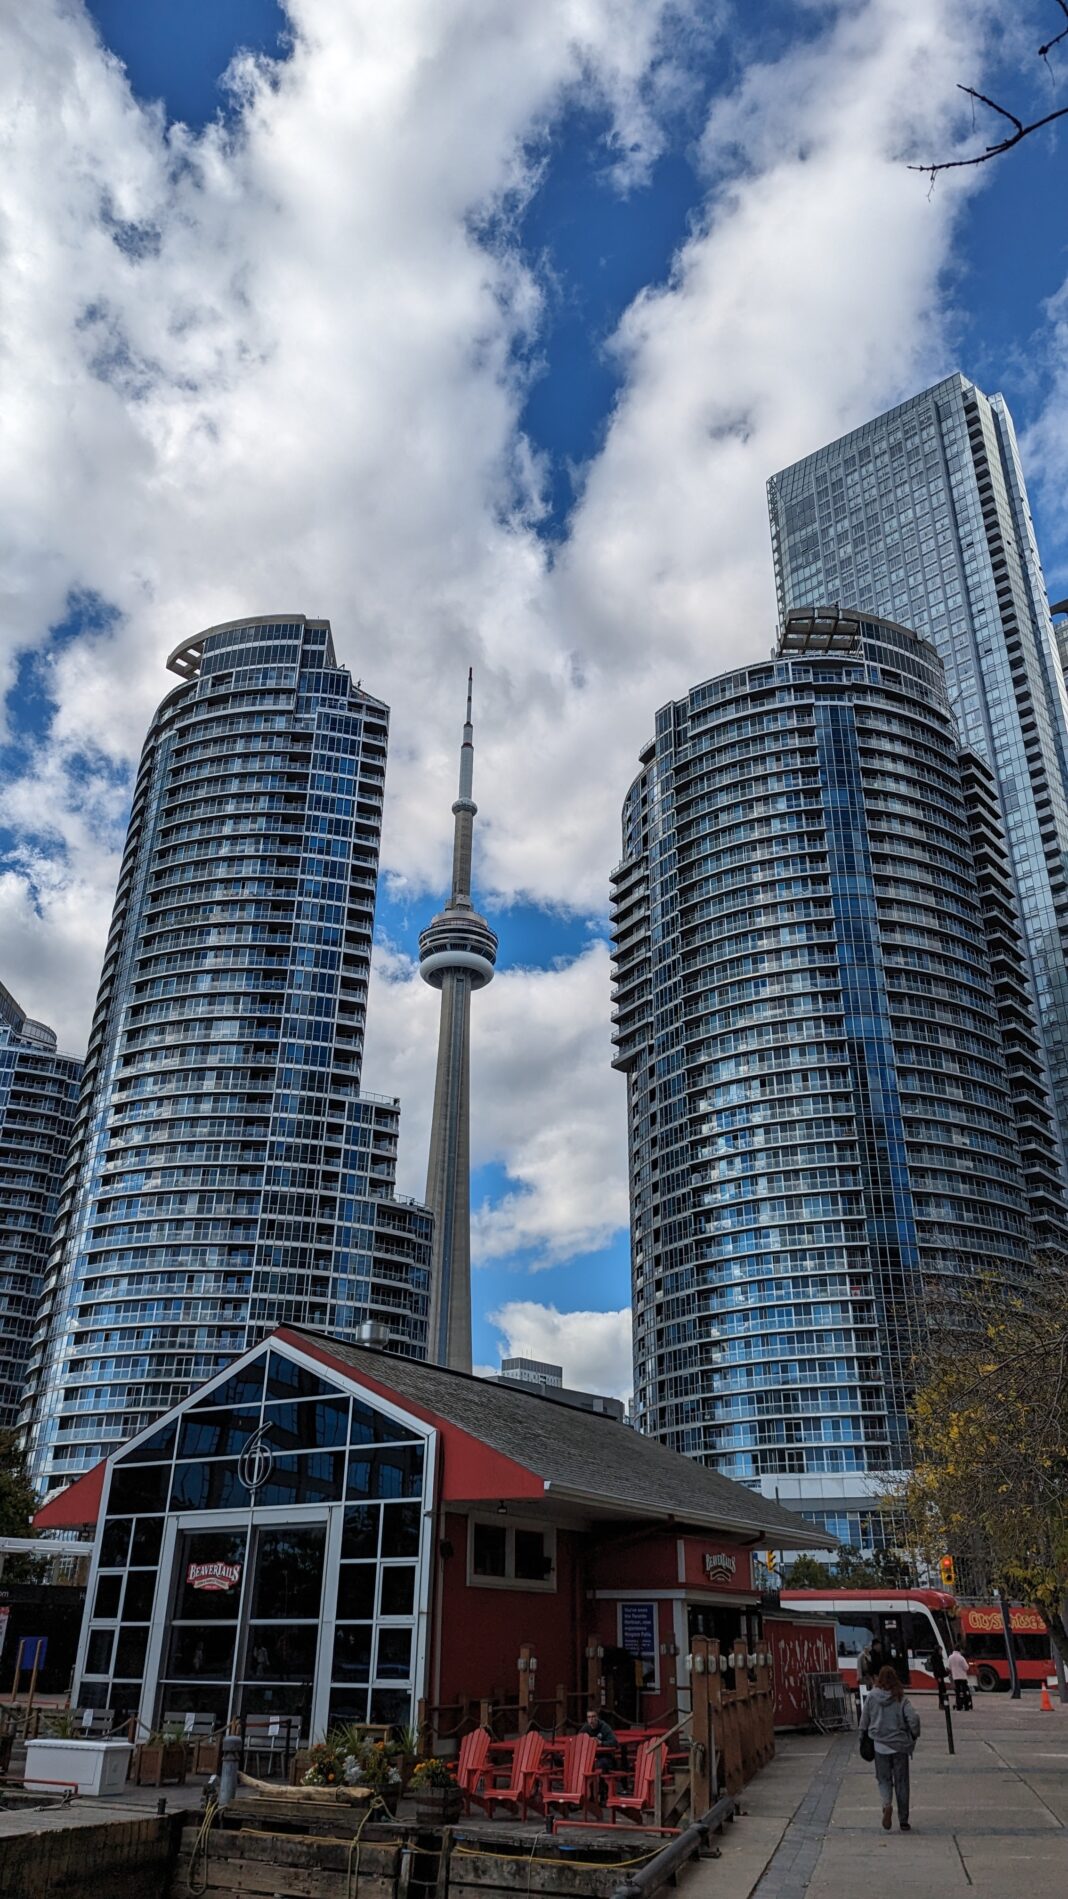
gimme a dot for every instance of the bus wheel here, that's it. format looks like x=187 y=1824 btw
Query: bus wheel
x=988 y=1679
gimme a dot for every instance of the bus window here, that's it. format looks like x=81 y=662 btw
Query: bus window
x=854 y=1637
x=895 y=1644
x=947 y=1633
x=920 y=1634
x=985 y=1647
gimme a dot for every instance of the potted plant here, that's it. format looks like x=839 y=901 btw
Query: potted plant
x=438 y=1800
x=405 y=1753
x=161 y=1758
x=64 y=1725
x=373 y=1768
x=324 y=1767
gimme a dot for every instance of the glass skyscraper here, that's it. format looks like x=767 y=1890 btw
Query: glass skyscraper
x=922 y=514
x=819 y=1104
x=38 y=1094
x=226 y=1173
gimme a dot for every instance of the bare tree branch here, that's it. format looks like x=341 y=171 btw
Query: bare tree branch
x=1044 y=51
x=1004 y=145
x=1020 y=130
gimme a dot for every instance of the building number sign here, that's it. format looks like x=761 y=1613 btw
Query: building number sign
x=256 y=1461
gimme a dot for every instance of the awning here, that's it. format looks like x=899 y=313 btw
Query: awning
x=78 y=1506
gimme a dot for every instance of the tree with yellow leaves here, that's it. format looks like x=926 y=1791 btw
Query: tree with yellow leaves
x=990 y=1439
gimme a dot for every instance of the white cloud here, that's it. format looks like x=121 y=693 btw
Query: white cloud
x=281 y=365
x=592 y=1347
x=546 y=1105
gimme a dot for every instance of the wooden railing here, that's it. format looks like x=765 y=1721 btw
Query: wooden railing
x=741 y=1719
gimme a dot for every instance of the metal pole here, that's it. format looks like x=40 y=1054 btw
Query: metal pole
x=1058 y=1669
x=656 y=1871
x=949 y=1727
x=1010 y=1647
x=230 y=1761
x=33 y=1679
x=18 y=1669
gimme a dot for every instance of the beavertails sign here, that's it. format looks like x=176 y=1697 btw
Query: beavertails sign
x=222 y=1576
x=720 y=1566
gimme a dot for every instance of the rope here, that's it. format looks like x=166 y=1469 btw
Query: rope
x=352 y=1873
x=200 y=1847
x=478 y=1852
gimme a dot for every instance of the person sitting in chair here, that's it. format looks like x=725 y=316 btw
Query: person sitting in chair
x=607 y=1743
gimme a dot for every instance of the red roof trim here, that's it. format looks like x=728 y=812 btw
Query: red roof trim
x=472 y=1469
x=77 y=1506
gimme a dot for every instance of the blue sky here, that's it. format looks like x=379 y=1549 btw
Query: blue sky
x=478 y=330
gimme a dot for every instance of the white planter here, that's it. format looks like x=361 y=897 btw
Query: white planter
x=94 y=1767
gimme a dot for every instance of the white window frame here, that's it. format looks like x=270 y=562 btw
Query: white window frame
x=545 y=1586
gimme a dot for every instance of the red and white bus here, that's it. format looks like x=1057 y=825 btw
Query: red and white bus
x=982 y=1634
x=908 y=1624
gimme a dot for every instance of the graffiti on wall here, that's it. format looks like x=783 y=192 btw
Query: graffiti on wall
x=798 y=1649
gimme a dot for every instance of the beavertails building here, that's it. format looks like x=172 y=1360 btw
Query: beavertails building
x=342 y=1534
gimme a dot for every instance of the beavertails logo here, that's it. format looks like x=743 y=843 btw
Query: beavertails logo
x=213 y=1575
x=719 y=1567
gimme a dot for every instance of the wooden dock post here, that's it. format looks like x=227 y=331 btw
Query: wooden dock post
x=528 y=1681
x=704 y=1672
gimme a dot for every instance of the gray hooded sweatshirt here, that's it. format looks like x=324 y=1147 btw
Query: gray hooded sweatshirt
x=894 y=1725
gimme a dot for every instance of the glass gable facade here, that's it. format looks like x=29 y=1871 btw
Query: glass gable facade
x=819 y=1110
x=226 y=1173
x=922 y=514
x=264 y=1553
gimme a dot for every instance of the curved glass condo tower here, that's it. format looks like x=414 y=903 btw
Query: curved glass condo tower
x=226 y=1174
x=820 y=1115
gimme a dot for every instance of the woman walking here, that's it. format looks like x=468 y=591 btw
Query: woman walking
x=893 y=1726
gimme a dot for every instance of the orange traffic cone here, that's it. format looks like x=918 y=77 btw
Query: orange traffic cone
x=1044 y=1702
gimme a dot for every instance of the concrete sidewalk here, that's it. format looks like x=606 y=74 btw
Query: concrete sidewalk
x=991 y=1819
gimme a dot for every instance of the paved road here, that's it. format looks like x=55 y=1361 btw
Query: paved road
x=991 y=1819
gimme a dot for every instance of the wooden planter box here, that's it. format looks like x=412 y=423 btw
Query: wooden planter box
x=159 y=1762
x=205 y=1756
x=437 y=1806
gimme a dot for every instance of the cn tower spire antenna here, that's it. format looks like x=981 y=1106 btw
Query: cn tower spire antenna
x=457 y=954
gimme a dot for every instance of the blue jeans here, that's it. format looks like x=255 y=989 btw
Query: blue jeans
x=892 y=1774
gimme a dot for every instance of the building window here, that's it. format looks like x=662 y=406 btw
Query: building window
x=504 y=1555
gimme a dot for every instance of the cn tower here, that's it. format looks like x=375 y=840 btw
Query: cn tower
x=457 y=953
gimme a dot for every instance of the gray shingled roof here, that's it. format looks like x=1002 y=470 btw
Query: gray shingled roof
x=580 y=1451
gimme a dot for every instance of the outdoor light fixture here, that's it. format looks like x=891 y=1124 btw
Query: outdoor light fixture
x=502 y=1509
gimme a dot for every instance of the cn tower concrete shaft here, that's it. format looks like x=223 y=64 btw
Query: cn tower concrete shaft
x=457 y=954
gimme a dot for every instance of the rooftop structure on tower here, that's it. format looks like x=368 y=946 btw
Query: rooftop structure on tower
x=457 y=954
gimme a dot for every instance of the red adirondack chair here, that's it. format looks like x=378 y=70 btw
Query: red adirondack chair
x=576 y=1777
x=471 y=1764
x=520 y=1773
x=648 y=1764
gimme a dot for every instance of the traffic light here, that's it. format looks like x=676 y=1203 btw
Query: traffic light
x=948 y=1572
